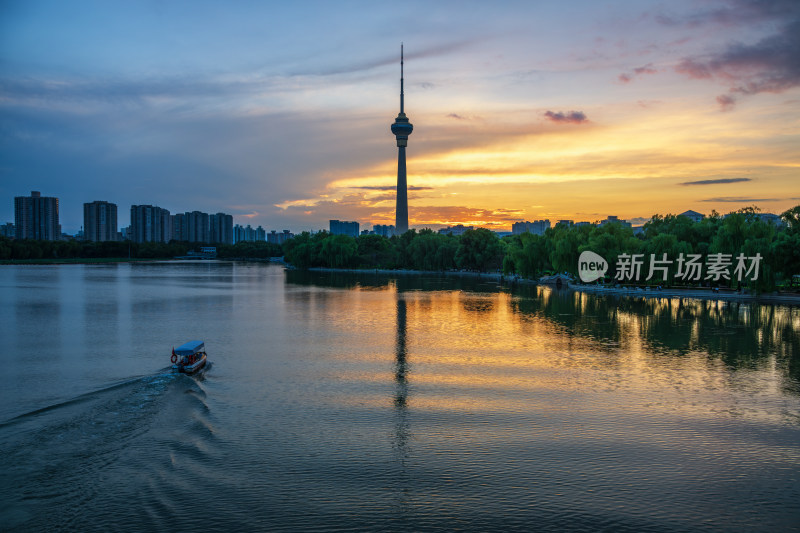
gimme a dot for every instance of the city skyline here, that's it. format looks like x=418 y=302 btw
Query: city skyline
x=525 y=112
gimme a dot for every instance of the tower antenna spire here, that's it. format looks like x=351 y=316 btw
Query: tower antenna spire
x=401 y=79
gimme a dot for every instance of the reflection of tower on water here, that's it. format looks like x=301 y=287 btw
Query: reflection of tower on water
x=401 y=431
x=401 y=364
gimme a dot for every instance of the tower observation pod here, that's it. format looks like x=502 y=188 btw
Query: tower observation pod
x=401 y=129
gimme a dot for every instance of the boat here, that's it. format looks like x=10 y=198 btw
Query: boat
x=189 y=357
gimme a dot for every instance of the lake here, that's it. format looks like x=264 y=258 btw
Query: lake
x=369 y=402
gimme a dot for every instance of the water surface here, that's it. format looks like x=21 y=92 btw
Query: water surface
x=365 y=402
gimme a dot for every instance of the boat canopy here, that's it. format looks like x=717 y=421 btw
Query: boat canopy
x=190 y=347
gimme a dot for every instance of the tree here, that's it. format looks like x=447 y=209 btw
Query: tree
x=375 y=251
x=432 y=251
x=339 y=251
x=480 y=250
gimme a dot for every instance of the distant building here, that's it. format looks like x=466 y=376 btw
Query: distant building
x=694 y=216
x=565 y=222
x=771 y=218
x=36 y=217
x=150 y=224
x=537 y=227
x=384 y=230
x=179 y=230
x=248 y=234
x=261 y=234
x=7 y=230
x=455 y=230
x=198 y=227
x=279 y=238
x=341 y=227
x=615 y=220
x=100 y=221
x=221 y=228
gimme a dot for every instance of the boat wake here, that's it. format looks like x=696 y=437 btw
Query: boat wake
x=71 y=455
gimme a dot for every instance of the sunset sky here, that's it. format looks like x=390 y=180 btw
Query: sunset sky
x=278 y=112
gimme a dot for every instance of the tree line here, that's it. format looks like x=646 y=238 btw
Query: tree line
x=526 y=255
x=670 y=237
x=33 y=250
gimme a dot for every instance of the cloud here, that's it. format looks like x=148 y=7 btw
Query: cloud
x=716 y=181
x=390 y=188
x=456 y=116
x=726 y=102
x=734 y=199
x=381 y=210
x=570 y=117
x=639 y=71
x=470 y=216
x=736 y=12
x=390 y=59
x=769 y=65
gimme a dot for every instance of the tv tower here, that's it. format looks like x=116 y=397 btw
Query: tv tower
x=401 y=129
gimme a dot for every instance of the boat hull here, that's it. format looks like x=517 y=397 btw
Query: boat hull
x=192 y=368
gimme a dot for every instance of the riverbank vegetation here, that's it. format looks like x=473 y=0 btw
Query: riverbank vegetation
x=558 y=249
x=480 y=250
x=33 y=251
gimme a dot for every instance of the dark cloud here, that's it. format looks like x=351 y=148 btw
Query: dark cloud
x=735 y=12
x=770 y=65
x=746 y=199
x=716 y=181
x=455 y=116
x=570 y=117
x=390 y=188
x=122 y=90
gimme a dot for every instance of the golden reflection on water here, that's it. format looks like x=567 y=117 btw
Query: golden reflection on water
x=462 y=351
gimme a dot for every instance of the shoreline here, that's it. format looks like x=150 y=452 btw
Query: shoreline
x=693 y=293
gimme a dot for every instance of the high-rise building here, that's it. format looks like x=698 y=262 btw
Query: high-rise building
x=385 y=230
x=401 y=129
x=537 y=227
x=249 y=234
x=36 y=217
x=279 y=238
x=456 y=230
x=179 y=232
x=198 y=227
x=150 y=224
x=100 y=221
x=7 y=230
x=261 y=234
x=221 y=228
x=341 y=227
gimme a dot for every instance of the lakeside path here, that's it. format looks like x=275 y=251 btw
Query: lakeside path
x=697 y=293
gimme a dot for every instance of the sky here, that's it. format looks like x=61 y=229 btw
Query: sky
x=278 y=113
